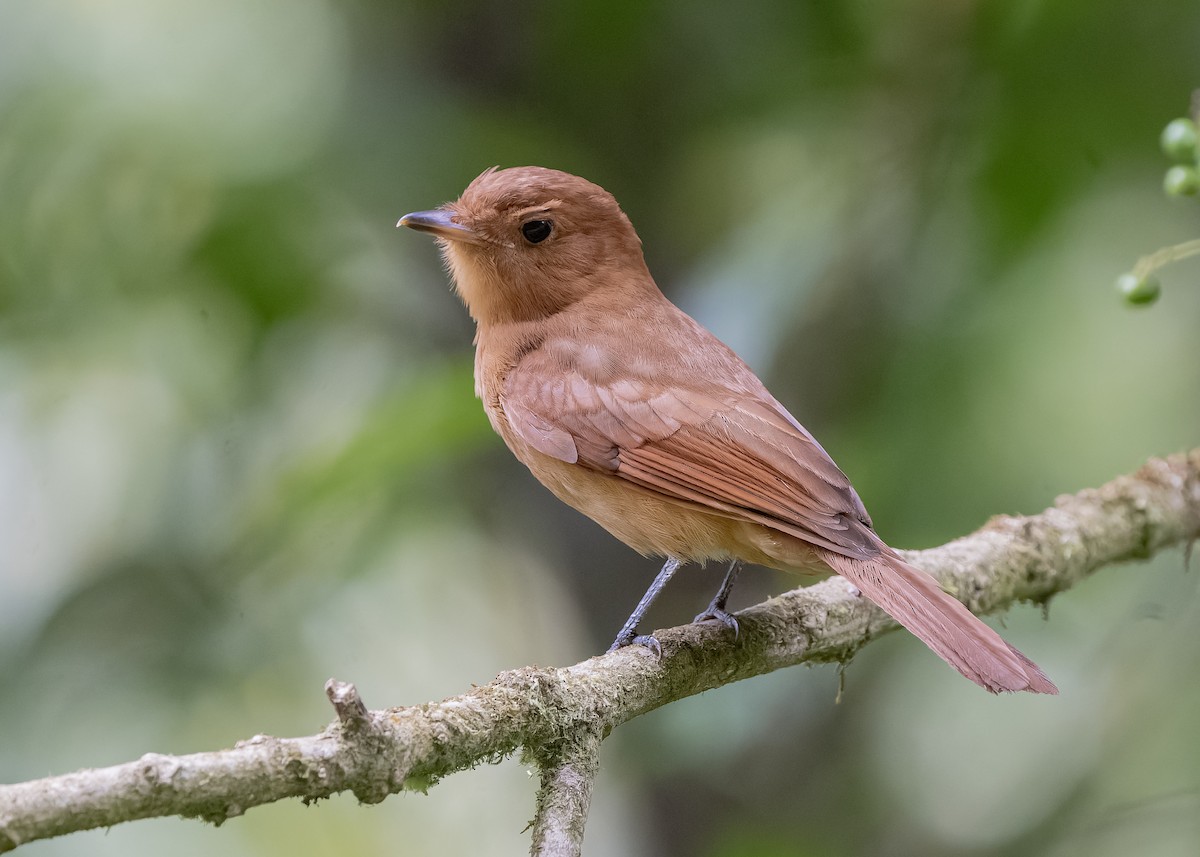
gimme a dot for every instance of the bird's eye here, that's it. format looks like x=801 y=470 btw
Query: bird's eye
x=537 y=231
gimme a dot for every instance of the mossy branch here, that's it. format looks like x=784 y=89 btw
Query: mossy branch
x=560 y=716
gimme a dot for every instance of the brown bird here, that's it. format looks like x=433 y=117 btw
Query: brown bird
x=631 y=412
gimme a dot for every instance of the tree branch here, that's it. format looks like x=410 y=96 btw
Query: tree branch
x=566 y=795
x=561 y=715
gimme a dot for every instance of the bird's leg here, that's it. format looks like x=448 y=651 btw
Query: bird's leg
x=716 y=611
x=629 y=632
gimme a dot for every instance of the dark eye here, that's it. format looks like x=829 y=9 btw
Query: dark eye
x=537 y=231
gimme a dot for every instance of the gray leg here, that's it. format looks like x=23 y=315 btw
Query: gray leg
x=716 y=611
x=628 y=633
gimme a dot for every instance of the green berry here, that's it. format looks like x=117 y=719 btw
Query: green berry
x=1138 y=290
x=1182 y=181
x=1179 y=140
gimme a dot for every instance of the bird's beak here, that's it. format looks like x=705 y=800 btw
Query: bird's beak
x=438 y=222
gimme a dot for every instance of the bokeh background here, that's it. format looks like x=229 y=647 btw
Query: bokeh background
x=239 y=450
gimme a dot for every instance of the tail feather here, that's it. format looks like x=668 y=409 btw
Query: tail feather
x=914 y=599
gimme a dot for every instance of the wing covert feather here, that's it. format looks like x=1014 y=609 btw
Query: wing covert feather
x=739 y=454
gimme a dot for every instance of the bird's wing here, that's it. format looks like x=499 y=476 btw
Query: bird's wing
x=734 y=451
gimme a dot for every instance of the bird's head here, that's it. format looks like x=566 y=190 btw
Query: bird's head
x=526 y=242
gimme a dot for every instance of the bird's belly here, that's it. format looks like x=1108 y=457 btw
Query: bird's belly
x=654 y=525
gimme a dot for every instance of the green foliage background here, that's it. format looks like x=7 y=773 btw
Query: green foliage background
x=239 y=451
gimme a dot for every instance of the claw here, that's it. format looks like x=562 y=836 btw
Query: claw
x=716 y=614
x=634 y=639
x=650 y=642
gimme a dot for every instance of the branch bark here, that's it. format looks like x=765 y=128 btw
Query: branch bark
x=568 y=777
x=560 y=716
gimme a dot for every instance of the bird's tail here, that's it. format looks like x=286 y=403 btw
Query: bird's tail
x=914 y=599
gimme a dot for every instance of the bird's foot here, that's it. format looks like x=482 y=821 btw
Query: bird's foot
x=633 y=638
x=721 y=615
